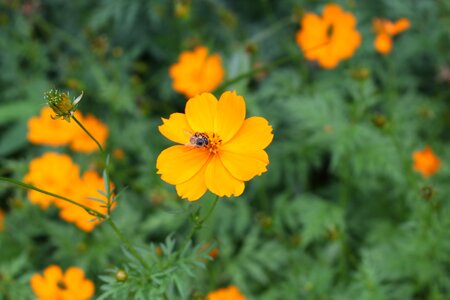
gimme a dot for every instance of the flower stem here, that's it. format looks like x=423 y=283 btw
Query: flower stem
x=127 y=243
x=89 y=210
x=89 y=134
x=197 y=226
x=106 y=157
x=31 y=187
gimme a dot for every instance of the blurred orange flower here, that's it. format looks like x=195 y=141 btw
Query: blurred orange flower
x=2 y=220
x=329 y=38
x=81 y=142
x=90 y=185
x=44 y=130
x=54 y=172
x=426 y=162
x=385 y=30
x=56 y=285
x=218 y=148
x=228 y=293
x=196 y=72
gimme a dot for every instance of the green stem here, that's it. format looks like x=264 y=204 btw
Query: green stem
x=127 y=243
x=31 y=187
x=88 y=133
x=106 y=157
x=197 y=226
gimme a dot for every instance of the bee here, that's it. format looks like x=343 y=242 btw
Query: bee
x=199 y=139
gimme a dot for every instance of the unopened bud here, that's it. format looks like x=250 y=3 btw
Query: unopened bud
x=379 y=121
x=121 y=275
x=427 y=192
x=360 y=73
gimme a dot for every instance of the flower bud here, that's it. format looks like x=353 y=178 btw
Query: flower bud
x=121 y=275
x=61 y=104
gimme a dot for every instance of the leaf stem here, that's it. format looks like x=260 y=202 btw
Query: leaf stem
x=127 y=243
x=197 y=226
x=266 y=67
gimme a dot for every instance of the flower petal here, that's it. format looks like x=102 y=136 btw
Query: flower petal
x=178 y=164
x=245 y=166
x=255 y=134
x=230 y=115
x=176 y=128
x=220 y=181
x=41 y=287
x=383 y=43
x=195 y=187
x=201 y=112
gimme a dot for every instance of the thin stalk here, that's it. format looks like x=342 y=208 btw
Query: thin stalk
x=197 y=226
x=127 y=243
x=31 y=187
x=89 y=210
x=106 y=157
x=89 y=134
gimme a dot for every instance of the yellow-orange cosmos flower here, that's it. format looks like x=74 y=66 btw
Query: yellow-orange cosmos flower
x=228 y=293
x=44 y=130
x=426 y=162
x=218 y=148
x=329 y=38
x=90 y=185
x=385 y=30
x=56 y=285
x=54 y=172
x=196 y=72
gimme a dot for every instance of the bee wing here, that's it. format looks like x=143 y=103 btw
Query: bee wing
x=189 y=134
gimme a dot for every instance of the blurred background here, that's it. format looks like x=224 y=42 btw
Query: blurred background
x=342 y=213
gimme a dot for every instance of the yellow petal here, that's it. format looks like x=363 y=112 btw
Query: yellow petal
x=176 y=128
x=195 y=187
x=220 y=181
x=230 y=115
x=255 y=134
x=245 y=166
x=53 y=273
x=383 y=43
x=201 y=112
x=41 y=287
x=73 y=276
x=178 y=164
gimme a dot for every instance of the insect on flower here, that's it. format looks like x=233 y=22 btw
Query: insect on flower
x=199 y=139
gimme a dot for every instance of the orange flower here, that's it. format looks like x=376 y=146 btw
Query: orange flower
x=90 y=185
x=426 y=162
x=44 y=130
x=196 y=72
x=56 y=285
x=228 y=293
x=81 y=142
x=385 y=30
x=218 y=148
x=2 y=220
x=54 y=172
x=330 y=38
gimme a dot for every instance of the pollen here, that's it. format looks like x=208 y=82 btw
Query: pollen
x=214 y=142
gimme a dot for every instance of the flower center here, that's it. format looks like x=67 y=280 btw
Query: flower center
x=61 y=285
x=330 y=30
x=204 y=140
